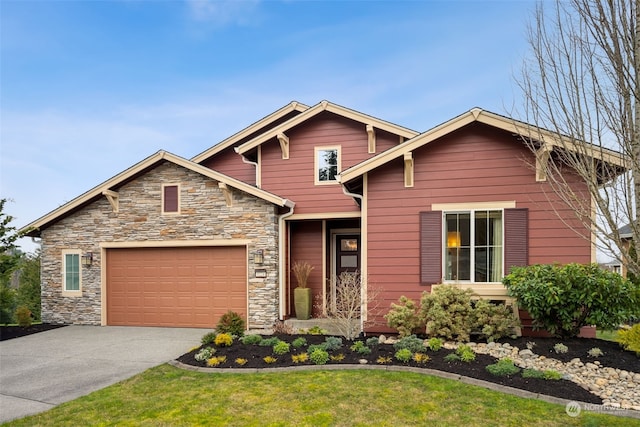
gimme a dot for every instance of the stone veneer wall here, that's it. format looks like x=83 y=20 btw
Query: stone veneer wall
x=203 y=216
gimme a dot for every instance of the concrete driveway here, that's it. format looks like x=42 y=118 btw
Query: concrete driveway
x=40 y=371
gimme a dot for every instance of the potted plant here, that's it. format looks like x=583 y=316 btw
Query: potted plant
x=302 y=294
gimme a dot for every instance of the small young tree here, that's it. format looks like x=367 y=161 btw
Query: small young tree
x=346 y=312
x=9 y=258
x=562 y=299
x=29 y=284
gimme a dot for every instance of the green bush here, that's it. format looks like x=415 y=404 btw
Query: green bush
x=208 y=338
x=204 y=354
x=562 y=299
x=410 y=342
x=333 y=343
x=404 y=355
x=360 y=347
x=321 y=346
x=281 y=348
x=451 y=357
x=434 y=344
x=269 y=342
x=466 y=353
x=630 y=338
x=403 y=317
x=372 y=342
x=231 y=323
x=23 y=316
x=299 y=342
x=493 y=321
x=503 y=368
x=446 y=312
x=251 y=339
x=532 y=373
x=319 y=356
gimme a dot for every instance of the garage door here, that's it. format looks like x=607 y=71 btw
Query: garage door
x=185 y=287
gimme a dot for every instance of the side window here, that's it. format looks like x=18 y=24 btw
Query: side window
x=71 y=271
x=170 y=198
x=327 y=164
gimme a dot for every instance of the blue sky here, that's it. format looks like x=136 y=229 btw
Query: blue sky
x=88 y=88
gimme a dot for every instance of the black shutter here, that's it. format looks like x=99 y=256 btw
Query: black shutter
x=430 y=247
x=516 y=238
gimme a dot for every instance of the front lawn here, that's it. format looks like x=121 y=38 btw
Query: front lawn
x=170 y=396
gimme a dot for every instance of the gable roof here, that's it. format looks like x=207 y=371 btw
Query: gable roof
x=319 y=108
x=292 y=107
x=480 y=116
x=138 y=169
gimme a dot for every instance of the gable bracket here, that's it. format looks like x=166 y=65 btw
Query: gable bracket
x=226 y=191
x=408 y=169
x=112 y=197
x=542 y=160
x=284 y=145
x=371 y=133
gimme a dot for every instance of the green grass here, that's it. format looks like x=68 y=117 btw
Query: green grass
x=170 y=396
x=607 y=335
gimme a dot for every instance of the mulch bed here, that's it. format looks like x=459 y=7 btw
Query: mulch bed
x=614 y=356
x=10 y=332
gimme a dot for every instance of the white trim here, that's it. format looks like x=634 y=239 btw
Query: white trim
x=72 y=292
x=473 y=206
x=326 y=215
x=316 y=165
x=443 y=241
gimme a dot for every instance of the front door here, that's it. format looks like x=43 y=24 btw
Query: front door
x=345 y=257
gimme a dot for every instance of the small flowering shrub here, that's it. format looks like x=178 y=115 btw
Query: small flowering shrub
x=252 y=339
x=560 y=348
x=595 y=352
x=434 y=344
x=223 y=340
x=337 y=357
x=420 y=358
x=217 y=360
x=281 y=348
x=204 y=354
x=332 y=343
x=299 y=342
x=319 y=356
x=240 y=361
x=299 y=358
x=360 y=347
x=381 y=360
x=231 y=323
x=269 y=360
x=404 y=355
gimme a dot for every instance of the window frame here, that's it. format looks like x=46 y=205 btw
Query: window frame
x=65 y=290
x=472 y=243
x=316 y=164
x=163 y=204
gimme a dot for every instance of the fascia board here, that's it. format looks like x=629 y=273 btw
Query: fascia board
x=318 y=108
x=293 y=106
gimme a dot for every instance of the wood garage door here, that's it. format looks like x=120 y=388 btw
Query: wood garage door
x=185 y=287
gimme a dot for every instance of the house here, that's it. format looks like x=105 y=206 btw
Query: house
x=177 y=242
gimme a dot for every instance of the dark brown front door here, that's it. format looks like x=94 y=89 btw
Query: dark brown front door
x=347 y=250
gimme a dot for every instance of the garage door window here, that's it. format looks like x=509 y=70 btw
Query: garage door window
x=71 y=272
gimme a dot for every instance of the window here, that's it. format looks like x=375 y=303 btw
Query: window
x=170 y=199
x=327 y=164
x=473 y=246
x=71 y=271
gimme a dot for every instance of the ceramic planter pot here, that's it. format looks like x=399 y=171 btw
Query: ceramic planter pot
x=302 y=302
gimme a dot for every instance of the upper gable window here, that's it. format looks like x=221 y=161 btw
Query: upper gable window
x=170 y=198
x=327 y=164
